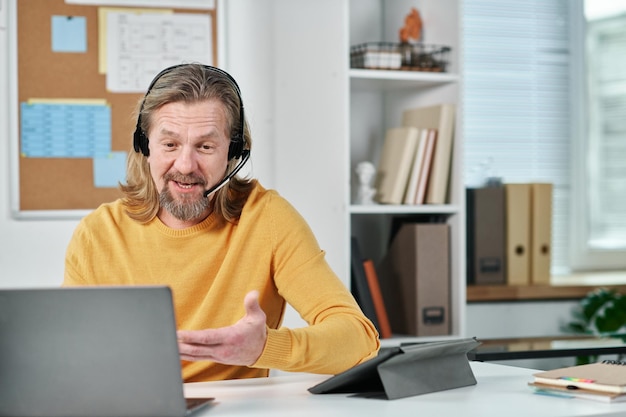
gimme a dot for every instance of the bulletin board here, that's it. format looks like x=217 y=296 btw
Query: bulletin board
x=59 y=83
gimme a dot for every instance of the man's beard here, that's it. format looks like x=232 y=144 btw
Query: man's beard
x=189 y=207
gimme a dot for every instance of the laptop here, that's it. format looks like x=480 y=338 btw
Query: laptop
x=90 y=352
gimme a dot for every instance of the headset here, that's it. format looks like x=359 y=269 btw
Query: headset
x=235 y=149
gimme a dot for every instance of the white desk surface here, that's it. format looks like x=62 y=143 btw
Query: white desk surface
x=501 y=391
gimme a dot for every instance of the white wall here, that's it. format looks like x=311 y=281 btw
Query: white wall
x=246 y=49
x=32 y=251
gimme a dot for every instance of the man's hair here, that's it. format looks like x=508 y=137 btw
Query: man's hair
x=190 y=83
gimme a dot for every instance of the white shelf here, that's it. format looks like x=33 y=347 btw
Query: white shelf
x=403 y=209
x=384 y=80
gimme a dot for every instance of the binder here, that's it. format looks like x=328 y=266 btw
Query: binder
x=415 y=280
x=360 y=286
x=377 y=298
x=405 y=371
x=541 y=233
x=485 y=236
x=517 y=234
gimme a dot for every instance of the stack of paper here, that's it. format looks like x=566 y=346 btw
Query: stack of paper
x=601 y=381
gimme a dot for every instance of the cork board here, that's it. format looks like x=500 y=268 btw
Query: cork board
x=54 y=183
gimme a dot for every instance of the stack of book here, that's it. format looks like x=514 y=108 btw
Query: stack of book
x=414 y=166
x=600 y=381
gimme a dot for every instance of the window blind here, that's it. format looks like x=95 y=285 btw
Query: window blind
x=516 y=71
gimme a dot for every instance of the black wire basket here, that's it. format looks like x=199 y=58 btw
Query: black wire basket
x=400 y=56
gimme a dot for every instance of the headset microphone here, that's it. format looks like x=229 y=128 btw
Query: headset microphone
x=245 y=155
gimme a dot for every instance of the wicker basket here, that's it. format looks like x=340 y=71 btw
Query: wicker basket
x=400 y=56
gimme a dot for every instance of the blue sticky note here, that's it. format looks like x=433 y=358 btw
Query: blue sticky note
x=109 y=170
x=69 y=34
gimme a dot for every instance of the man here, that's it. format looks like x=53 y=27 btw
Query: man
x=233 y=252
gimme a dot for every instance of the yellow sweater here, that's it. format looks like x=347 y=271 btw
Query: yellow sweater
x=210 y=269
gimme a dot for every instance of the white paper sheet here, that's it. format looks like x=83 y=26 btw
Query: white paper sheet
x=139 y=46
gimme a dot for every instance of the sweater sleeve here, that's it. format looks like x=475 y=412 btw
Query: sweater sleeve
x=338 y=336
x=76 y=256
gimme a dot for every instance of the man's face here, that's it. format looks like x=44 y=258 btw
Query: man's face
x=188 y=154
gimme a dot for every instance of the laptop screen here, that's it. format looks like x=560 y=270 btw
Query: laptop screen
x=89 y=351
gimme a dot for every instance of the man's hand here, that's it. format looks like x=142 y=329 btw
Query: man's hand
x=239 y=344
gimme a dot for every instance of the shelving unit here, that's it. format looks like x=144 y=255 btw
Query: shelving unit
x=377 y=100
x=330 y=117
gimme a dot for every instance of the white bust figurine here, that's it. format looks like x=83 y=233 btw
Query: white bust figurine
x=366 y=171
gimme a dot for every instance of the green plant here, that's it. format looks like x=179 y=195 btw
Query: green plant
x=601 y=312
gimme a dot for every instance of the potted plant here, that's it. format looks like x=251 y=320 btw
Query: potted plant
x=602 y=313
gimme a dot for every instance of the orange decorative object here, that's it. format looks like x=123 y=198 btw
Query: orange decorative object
x=412 y=29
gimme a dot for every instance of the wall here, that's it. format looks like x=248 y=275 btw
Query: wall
x=32 y=252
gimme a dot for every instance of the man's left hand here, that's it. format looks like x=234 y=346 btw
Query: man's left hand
x=239 y=344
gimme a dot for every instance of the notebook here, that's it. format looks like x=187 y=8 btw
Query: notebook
x=91 y=352
x=606 y=376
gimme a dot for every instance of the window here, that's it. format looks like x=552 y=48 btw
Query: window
x=523 y=98
x=601 y=82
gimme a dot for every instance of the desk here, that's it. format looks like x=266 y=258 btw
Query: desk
x=501 y=391
x=547 y=347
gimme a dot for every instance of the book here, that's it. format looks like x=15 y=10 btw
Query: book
x=569 y=392
x=395 y=163
x=431 y=143
x=606 y=376
x=377 y=298
x=440 y=117
x=360 y=286
x=416 y=168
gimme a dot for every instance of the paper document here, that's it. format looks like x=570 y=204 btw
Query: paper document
x=72 y=129
x=140 y=45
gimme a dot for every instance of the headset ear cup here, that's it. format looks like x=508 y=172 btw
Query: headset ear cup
x=140 y=142
x=235 y=148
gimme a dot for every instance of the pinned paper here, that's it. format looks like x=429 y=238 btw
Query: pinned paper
x=109 y=170
x=65 y=128
x=141 y=45
x=103 y=31
x=69 y=34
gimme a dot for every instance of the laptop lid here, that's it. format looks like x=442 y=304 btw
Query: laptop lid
x=90 y=352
